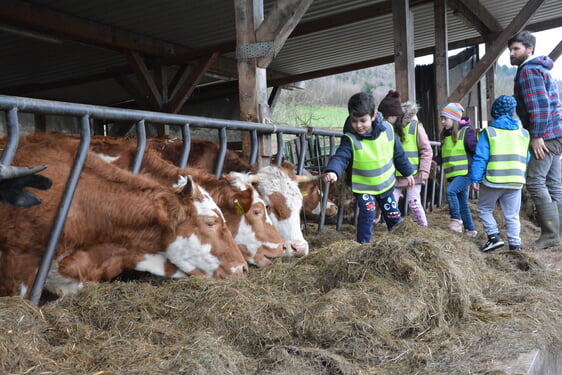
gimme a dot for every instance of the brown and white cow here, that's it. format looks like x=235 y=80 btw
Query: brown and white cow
x=278 y=186
x=117 y=221
x=244 y=210
x=312 y=194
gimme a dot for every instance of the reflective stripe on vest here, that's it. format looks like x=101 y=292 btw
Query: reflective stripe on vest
x=373 y=163
x=508 y=155
x=410 y=146
x=455 y=159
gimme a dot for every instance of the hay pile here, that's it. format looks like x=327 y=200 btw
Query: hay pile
x=415 y=301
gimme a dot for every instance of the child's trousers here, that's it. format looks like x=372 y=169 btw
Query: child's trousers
x=366 y=204
x=510 y=204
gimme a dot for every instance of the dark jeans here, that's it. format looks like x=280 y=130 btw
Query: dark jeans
x=366 y=204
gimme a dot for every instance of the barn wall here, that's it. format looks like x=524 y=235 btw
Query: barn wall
x=63 y=124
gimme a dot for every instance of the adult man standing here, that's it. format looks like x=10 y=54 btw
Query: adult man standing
x=540 y=111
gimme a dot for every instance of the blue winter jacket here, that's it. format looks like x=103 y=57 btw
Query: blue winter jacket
x=482 y=154
x=343 y=157
x=538 y=103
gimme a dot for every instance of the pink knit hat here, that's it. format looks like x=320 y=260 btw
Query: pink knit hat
x=453 y=111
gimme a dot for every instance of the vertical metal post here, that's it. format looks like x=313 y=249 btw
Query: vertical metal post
x=186 y=147
x=13 y=137
x=325 y=197
x=280 y=152
x=141 y=147
x=222 y=152
x=255 y=146
x=64 y=207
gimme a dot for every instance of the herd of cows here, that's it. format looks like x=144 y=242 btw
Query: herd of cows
x=164 y=220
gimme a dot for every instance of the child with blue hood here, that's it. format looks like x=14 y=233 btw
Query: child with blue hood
x=372 y=153
x=498 y=172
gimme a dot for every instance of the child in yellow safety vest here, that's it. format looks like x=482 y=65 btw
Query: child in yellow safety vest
x=458 y=143
x=370 y=149
x=498 y=172
x=416 y=144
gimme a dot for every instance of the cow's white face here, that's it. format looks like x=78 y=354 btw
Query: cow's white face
x=189 y=254
x=257 y=237
x=206 y=245
x=282 y=195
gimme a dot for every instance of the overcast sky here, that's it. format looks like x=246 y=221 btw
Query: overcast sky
x=546 y=41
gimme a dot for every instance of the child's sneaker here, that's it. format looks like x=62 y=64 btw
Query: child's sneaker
x=471 y=233
x=515 y=247
x=494 y=241
x=456 y=225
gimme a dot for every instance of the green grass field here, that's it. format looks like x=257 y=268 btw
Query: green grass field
x=303 y=116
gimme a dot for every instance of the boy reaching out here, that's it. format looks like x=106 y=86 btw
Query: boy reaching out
x=372 y=154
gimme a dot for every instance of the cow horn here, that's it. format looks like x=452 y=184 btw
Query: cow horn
x=303 y=179
x=7 y=171
x=254 y=178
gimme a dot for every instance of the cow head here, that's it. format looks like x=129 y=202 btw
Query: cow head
x=203 y=244
x=258 y=239
x=280 y=191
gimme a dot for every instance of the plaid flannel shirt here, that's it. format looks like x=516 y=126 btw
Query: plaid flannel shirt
x=538 y=103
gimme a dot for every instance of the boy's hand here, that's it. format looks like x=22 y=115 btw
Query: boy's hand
x=475 y=186
x=411 y=181
x=330 y=177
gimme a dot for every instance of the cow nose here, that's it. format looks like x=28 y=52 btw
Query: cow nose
x=297 y=248
x=240 y=271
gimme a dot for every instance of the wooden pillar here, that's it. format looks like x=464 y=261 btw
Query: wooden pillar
x=441 y=60
x=404 y=64
x=251 y=79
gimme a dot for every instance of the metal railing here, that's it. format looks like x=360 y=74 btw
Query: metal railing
x=87 y=113
x=324 y=147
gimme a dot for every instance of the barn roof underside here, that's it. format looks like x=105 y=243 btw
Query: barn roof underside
x=49 y=59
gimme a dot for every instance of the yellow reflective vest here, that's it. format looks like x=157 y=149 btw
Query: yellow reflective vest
x=455 y=159
x=373 y=169
x=410 y=145
x=508 y=155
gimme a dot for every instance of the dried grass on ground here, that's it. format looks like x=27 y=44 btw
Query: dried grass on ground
x=415 y=301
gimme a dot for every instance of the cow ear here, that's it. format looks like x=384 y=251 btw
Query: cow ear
x=169 y=211
x=242 y=202
x=184 y=186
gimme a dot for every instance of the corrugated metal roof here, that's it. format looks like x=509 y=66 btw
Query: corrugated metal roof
x=202 y=24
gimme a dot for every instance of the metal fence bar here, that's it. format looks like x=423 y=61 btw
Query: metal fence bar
x=62 y=213
x=13 y=137
x=186 y=147
x=141 y=147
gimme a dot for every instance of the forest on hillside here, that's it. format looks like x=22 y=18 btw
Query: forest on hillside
x=308 y=106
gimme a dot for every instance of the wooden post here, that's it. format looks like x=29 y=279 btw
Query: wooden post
x=404 y=66
x=441 y=60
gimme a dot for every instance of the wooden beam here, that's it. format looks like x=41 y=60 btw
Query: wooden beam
x=404 y=66
x=145 y=79
x=194 y=77
x=279 y=24
x=341 y=19
x=247 y=86
x=441 y=59
x=556 y=52
x=42 y=19
x=476 y=15
x=496 y=48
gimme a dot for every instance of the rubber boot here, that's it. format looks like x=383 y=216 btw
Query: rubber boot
x=549 y=221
